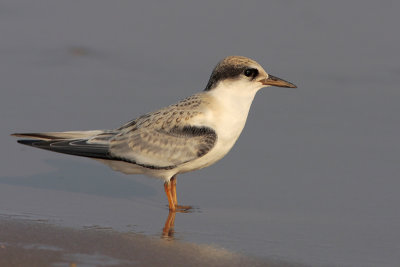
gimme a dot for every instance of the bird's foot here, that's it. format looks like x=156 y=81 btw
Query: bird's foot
x=182 y=209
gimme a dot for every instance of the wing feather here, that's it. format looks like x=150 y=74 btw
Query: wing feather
x=165 y=138
x=162 y=148
x=157 y=140
x=75 y=147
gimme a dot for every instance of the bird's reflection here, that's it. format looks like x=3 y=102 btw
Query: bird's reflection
x=168 y=230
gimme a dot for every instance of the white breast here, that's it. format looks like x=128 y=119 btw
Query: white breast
x=226 y=114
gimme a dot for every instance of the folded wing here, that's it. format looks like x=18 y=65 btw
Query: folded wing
x=155 y=148
x=163 y=149
x=157 y=140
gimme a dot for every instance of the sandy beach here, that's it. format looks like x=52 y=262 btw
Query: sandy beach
x=33 y=243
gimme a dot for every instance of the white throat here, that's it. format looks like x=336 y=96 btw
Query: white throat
x=232 y=104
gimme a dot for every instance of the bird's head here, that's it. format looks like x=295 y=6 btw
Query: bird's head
x=243 y=72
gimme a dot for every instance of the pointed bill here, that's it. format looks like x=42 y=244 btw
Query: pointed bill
x=275 y=81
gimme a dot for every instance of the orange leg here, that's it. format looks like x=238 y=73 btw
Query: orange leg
x=168 y=192
x=173 y=190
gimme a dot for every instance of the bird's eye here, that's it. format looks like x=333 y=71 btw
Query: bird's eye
x=251 y=72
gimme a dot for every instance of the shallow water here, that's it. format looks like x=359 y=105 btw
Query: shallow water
x=314 y=177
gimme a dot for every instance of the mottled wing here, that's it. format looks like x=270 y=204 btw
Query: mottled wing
x=163 y=149
x=164 y=139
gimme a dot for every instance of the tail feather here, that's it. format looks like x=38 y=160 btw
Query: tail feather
x=59 y=135
x=77 y=147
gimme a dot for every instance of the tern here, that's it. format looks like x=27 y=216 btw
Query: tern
x=189 y=135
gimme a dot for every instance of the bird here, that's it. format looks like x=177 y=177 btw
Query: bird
x=192 y=134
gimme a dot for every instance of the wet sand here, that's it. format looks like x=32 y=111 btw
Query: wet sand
x=33 y=243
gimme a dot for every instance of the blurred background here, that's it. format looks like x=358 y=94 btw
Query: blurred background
x=314 y=177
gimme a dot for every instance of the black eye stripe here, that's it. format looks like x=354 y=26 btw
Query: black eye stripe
x=230 y=72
